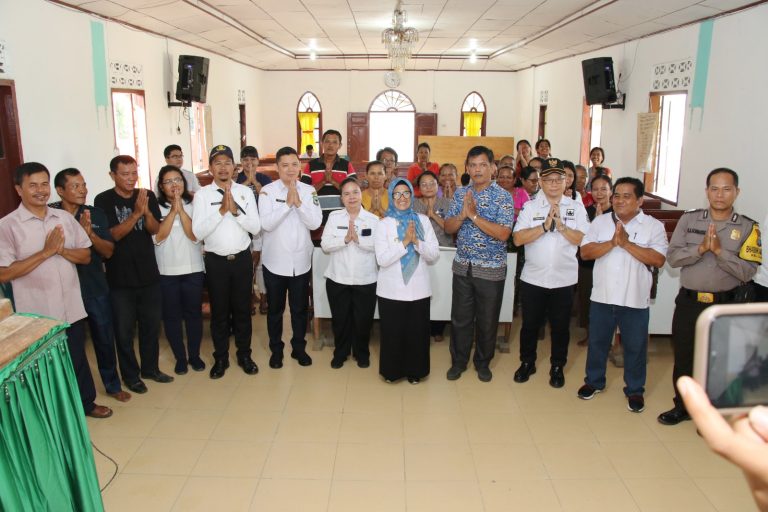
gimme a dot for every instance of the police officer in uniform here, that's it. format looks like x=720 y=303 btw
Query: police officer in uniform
x=717 y=250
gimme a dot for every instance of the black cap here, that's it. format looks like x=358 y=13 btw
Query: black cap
x=249 y=151
x=220 y=150
x=551 y=166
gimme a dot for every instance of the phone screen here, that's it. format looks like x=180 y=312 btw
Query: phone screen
x=737 y=374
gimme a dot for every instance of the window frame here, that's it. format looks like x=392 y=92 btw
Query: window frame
x=462 y=128
x=141 y=157
x=318 y=128
x=407 y=106
x=655 y=104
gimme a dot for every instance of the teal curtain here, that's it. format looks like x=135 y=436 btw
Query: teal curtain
x=46 y=461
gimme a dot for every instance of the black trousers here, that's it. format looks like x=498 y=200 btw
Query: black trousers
x=539 y=305
x=687 y=311
x=132 y=306
x=230 y=284
x=297 y=288
x=475 y=308
x=404 y=338
x=352 y=308
x=761 y=292
x=76 y=344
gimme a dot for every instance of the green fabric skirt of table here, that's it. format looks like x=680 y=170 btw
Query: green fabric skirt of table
x=46 y=461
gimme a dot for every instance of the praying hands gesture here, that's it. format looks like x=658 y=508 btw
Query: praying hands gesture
x=620 y=236
x=552 y=216
x=376 y=207
x=711 y=241
x=54 y=242
x=85 y=223
x=141 y=206
x=449 y=189
x=410 y=235
x=228 y=203
x=351 y=233
x=469 y=208
x=292 y=199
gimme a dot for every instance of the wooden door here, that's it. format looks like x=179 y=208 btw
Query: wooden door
x=424 y=124
x=10 y=147
x=357 y=138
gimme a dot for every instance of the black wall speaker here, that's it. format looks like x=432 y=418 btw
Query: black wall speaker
x=599 y=86
x=193 y=78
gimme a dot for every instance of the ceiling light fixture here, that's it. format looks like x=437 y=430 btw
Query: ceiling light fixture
x=399 y=40
x=312 y=55
x=473 y=57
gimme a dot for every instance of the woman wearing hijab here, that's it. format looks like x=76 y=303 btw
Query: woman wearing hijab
x=405 y=244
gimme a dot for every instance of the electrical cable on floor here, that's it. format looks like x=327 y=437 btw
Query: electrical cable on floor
x=112 y=461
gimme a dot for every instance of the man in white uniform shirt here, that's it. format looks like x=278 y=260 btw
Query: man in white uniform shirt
x=225 y=218
x=289 y=210
x=550 y=227
x=625 y=245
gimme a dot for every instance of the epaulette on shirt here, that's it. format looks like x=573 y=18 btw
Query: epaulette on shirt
x=695 y=210
x=744 y=216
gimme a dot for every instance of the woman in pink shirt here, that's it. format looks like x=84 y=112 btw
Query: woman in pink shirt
x=527 y=188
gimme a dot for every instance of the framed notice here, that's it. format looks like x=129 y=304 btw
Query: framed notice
x=647 y=136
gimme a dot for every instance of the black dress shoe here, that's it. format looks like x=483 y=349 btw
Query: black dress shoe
x=248 y=366
x=158 y=376
x=137 y=387
x=556 y=377
x=180 y=368
x=197 y=364
x=219 y=368
x=673 y=416
x=302 y=357
x=524 y=372
x=276 y=360
x=363 y=363
x=337 y=363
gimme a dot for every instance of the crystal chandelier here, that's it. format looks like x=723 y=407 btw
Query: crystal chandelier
x=399 y=40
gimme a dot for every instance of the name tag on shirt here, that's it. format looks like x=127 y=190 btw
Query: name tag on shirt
x=539 y=218
x=215 y=203
x=342 y=227
x=280 y=200
x=570 y=212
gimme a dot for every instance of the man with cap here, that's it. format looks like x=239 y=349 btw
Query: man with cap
x=132 y=273
x=289 y=210
x=551 y=227
x=626 y=245
x=716 y=249
x=225 y=218
x=483 y=215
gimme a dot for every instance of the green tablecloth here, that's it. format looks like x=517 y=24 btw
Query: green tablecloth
x=46 y=462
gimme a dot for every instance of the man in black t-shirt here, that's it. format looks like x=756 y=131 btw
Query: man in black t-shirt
x=132 y=273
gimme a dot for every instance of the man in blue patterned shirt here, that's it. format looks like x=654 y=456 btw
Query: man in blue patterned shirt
x=482 y=214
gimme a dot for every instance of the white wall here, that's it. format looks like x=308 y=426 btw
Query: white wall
x=340 y=92
x=50 y=62
x=733 y=131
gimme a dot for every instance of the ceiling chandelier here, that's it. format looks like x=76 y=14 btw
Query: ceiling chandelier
x=399 y=40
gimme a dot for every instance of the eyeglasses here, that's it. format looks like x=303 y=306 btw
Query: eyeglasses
x=428 y=184
x=553 y=180
x=397 y=195
x=172 y=180
x=533 y=180
x=388 y=160
x=174 y=155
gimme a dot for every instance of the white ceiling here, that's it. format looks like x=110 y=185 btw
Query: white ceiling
x=507 y=35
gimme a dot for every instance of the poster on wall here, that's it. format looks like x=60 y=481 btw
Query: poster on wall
x=647 y=132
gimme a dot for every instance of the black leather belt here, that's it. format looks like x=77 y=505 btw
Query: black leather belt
x=711 y=297
x=228 y=257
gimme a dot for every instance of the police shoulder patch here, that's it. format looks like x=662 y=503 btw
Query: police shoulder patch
x=751 y=249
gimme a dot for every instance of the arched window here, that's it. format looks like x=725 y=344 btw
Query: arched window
x=309 y=124
x=473 y=116
x=392 y=120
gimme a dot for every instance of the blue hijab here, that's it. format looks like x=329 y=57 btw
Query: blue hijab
x=410 y=261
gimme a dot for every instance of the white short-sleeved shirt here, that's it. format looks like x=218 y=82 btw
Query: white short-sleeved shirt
x=550 y=260
x=177 y=254
x=351 y=263
x=389 y=250
x=225 y=234
x=286 y=241
x=618 y=277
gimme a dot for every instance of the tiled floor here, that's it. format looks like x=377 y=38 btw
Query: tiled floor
x=318 y=439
